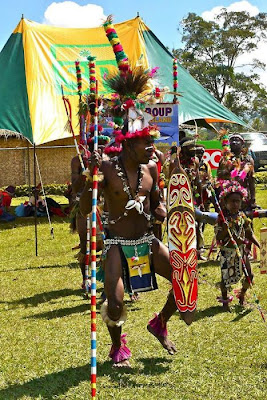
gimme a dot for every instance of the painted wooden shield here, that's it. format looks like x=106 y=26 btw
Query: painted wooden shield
x=182 y=241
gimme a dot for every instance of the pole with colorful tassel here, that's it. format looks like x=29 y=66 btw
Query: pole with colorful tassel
x=238 y=253
x=92 y=76
x=175 y=79
x=67 y=106
x=82 y=119
x=93 y=255
x=83 y=140
x=92 y=83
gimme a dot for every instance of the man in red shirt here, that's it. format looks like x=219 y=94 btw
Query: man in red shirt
x=5 y=202
x=6 y=197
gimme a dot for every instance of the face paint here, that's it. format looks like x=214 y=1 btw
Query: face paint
x=149 y=148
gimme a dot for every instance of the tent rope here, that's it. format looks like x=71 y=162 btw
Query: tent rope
x=41 y=181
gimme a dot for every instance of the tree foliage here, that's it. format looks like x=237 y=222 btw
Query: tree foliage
x=212 y=50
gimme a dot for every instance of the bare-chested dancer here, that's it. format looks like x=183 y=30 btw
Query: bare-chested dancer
x=131 y=194
x=78 y=220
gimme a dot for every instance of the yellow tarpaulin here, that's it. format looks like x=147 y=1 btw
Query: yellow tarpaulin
x=50 y=54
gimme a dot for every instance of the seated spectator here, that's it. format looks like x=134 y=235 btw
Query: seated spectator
x=6 y=197
x=5 y=203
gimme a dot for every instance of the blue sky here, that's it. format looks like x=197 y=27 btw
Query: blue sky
x=162 y=17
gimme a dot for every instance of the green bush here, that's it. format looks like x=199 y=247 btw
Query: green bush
x=261 y=177
x=53 y=189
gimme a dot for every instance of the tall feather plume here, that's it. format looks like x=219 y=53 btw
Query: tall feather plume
x=131 y=84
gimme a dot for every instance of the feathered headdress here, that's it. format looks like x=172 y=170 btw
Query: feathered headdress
x=129 y=86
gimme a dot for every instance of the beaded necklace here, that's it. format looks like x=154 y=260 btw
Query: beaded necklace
x=134 y=201
x=125 y=180
x=236 y=224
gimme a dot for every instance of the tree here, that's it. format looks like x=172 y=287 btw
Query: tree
x=211 y=51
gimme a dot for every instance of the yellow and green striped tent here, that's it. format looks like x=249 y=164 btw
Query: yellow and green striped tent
x=37 y=59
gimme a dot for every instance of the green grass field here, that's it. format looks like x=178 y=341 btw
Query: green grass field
x=45 y=330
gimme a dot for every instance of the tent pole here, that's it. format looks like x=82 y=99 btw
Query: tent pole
x=35 y=199
x=29 y=167
x=46 y=207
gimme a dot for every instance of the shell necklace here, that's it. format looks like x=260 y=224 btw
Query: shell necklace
x=134 y=201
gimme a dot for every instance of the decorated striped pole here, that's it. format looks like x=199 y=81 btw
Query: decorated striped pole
x=87 y=258
x=175 y=79
x=67 y=106
x=93 y=255
x=238 y=253
x=92 y=76
x=82 y=119
x=92 y=82
x=79 y=78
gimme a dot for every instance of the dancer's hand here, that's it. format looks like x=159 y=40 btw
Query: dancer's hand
x=95 y=160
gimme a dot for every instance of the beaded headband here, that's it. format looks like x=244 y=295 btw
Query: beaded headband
x=112 y=149
x=188 y=143
x=236 y=135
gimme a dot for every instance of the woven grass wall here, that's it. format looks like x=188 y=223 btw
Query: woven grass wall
x=16 y=166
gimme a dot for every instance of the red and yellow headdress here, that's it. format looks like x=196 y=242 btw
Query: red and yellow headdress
x=129 y=86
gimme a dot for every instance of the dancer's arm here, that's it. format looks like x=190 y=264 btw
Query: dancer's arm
x=249 y=234
x=86 y=196
x=77 y=179
x=158 y=208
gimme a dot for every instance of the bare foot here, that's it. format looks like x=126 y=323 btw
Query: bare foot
x=122 y=364
x=164 y=341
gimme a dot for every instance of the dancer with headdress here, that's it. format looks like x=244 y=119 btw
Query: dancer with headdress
x=205 y=178
x=236 y=164
x=132 y=253
x=231 y=198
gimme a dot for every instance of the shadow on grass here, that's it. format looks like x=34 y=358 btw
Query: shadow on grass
x=20 y=222
x=208 y=312
x=154 y=366
x=62 y=312
x=69 y=265
x=241 y=312
x=208 y=264
x=51 y=386
x=44 y=297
